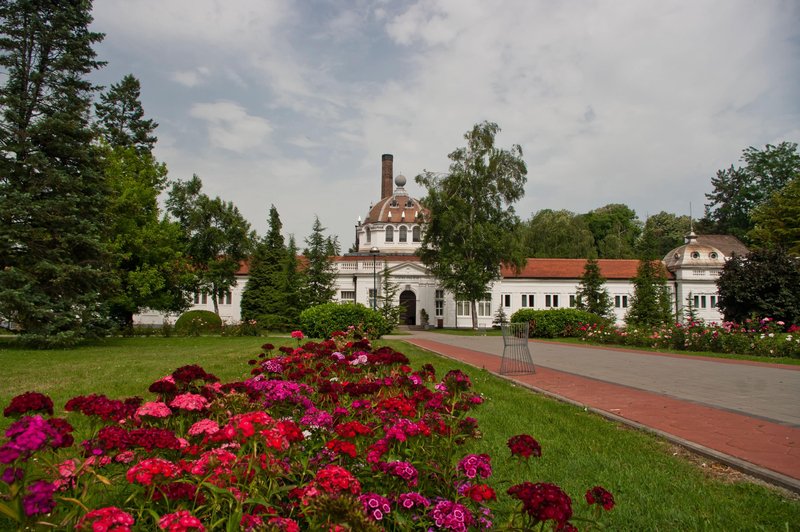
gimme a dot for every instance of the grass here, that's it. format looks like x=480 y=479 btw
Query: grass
x=654 y=489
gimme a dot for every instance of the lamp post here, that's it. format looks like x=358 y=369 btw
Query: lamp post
x=374 y=252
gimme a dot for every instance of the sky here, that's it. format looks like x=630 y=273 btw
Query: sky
x=292 y=103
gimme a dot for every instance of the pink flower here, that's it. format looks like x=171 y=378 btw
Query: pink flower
x=189 y=401
x=180 y=521
x=204 y=426
x=109 y=519
x=298 y=335
x=154 y=409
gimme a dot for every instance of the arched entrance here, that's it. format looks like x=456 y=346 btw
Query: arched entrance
x=408 y=301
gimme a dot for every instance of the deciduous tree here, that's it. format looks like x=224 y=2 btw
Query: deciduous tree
x=557 y=234
x=53 y=263
x=764 y=285
x=615 y=228
x=777 y=220
x=215 y=235
x=471 y=227
x=662 y=232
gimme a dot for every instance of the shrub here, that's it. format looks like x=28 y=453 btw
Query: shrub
x=563 y=322
x=323 y=320
x=274 y=322
x=197 y=322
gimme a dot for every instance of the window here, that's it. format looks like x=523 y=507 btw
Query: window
x=713 y=301
x=347 y=296
x=621 y=301
x=390 y=234
x=463 y=308
x=700 y=302
x=573 y=300
x=485 y=306
x=403 y=234
x=551 y=300
x=507 y=300
x=225 y=298
x=527 y=300
x=369 y=236
x=415 y=234
x=200 y=298
x=439 y=303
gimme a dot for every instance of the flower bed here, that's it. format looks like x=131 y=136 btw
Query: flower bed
x=763 y=337
x=325 y=436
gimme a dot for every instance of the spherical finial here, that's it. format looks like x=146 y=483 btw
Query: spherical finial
x=400 y=180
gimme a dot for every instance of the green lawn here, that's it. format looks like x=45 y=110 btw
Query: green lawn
x=654 y=489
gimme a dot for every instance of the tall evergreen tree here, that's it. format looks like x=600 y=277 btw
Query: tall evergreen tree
x=264 y=299
x=53 y=278
x=293 y=284
x=121 y=116
x=592 y=295
x=651 y=304
x=388 y=295
x=319 y=274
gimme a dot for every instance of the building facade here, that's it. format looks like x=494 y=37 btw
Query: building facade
x=389 y=236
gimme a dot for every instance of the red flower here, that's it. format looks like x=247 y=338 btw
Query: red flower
x=480 y=493
x=525 y=446
x=543 y=501
x=29 y=402
x=147 y=470
x=334 y=480
x=109 y=519
x=342 y=447
x=180 y=521
x=600 y=496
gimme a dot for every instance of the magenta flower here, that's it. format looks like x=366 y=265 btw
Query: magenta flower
x=450 y=515
x=375 y=506
x=39 y=499
x=204 y=426
x=298 y=335
x=412 y=499
x=474 y=465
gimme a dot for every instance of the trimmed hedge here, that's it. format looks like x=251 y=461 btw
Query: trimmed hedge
x=322 y=320
x=562 y=322
x=197 y=322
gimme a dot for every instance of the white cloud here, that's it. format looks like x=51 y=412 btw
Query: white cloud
x=190 y=78
x=230 y=127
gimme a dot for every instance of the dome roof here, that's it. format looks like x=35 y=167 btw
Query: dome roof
x=397 y=208
x=694 y=255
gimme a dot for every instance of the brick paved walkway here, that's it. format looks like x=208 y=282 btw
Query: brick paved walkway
x=765 y=444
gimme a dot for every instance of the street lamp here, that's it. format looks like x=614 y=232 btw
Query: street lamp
x=374 y=252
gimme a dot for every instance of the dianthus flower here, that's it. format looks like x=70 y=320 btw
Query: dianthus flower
x=351 y=429
x=153 y=409
x=29 y=402
x=543 y=501
x=404 y=470
x=342 y=447
x=316 y=418
x=451 y=515
x=457 y=380
x=31 y=433
x=298 y=335
x=39 y=499
x=150 y=469
x=375 y=506
x=478 y=492
x=12 y=474
x=474 y=465
x=525 y=446
x=108 y=519
x=600 y=496
x=412 y=499
x=103 y=407
x=283 y=524
x=180 y=521
x=189 y=401
x=193 y=372
x=204 y=426
x=333 y=479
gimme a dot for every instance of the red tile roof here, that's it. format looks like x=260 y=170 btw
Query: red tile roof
x=571 y=269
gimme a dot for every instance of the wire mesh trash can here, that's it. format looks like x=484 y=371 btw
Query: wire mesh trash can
x=517 y=359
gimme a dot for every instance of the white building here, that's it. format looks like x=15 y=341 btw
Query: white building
x=392 y=232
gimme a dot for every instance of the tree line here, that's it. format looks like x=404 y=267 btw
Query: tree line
x=83 y=243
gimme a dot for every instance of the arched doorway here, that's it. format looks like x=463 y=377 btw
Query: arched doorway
x=408 y=301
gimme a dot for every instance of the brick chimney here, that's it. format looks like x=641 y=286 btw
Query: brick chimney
x=387 y=171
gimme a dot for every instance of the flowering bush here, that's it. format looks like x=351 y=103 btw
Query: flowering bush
x=333 y=435
x=764 y=337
